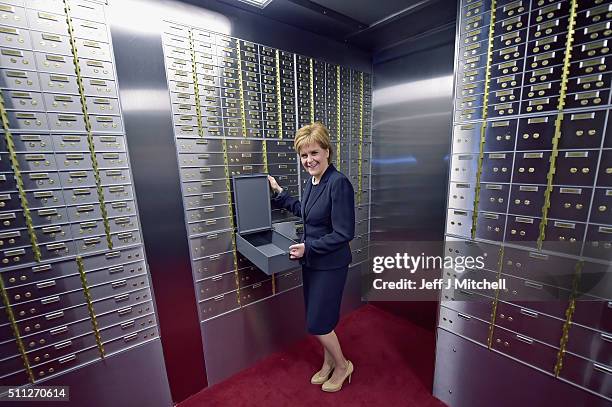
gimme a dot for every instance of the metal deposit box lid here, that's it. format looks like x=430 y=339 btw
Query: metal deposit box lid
x=253 y=208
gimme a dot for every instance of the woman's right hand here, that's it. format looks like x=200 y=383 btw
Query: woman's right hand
x=274 y=185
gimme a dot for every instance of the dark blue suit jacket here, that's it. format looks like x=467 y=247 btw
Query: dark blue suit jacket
x=329 y=219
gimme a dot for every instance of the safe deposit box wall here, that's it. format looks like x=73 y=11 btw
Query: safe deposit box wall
x=236 y=106
x=530 y=189
x=74 y=280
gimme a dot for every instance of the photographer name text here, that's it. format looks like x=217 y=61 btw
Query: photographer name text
x=440 y=283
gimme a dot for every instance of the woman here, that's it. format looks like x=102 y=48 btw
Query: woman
x=328 y=211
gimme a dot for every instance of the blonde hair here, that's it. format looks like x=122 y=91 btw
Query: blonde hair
x=313 y=133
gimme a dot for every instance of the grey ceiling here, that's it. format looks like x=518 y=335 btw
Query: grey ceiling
x=372 y=25
x=366 y=11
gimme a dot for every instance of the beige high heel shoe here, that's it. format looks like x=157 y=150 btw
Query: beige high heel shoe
x=330 y=387
x=320 y=377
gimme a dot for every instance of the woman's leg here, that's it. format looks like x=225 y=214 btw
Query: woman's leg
x=334 y=351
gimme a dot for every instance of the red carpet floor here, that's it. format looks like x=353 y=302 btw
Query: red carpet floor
x=394 y=362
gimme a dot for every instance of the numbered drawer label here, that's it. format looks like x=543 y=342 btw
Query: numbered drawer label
x=55 y=83
x=506 y=68
x=464 y=167
x=32 y=161
x=544 y=59
x=53 y=63
x=28 y=120
x=205 y=200
x=504 y=109
x=522 y=231
x=201 y=145
x=512 y=38
x=490 y=226
x=576 y=167
x=209 y=212
x=24 y=101
x=459 y=222
x=540 y=105
x=89 y=30
x=531 y=168
x=548 y=89
x=19 y=80
x=93 y=49
x=13 y=16
x=96 y=69
x=547 y=44
x=461 y=196
x=16 y=59
x=202 y=174
x=211 y=244
x=63 y=103
x=511 y=9
x=103 y=106
x=526 y=200
x=87 y=10
x=506 y=82
x=204 y=187
x=493 y=198
x=570 y=203
x=51 y=43
x=102 y=124
x=100 y=87
x=564 y=236
x=591 y=99
x=593 y=32
x=111 y=177
x=15 y=38
x=68 y=122
x=509 y=53
x=47 y=22
x=536 y=133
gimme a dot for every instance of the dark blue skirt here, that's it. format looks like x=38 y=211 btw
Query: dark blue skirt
x=322 y=298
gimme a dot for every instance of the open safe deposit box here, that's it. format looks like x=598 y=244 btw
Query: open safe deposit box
x=266 y=248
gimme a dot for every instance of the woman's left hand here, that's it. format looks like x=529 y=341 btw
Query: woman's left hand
x=296 y=251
